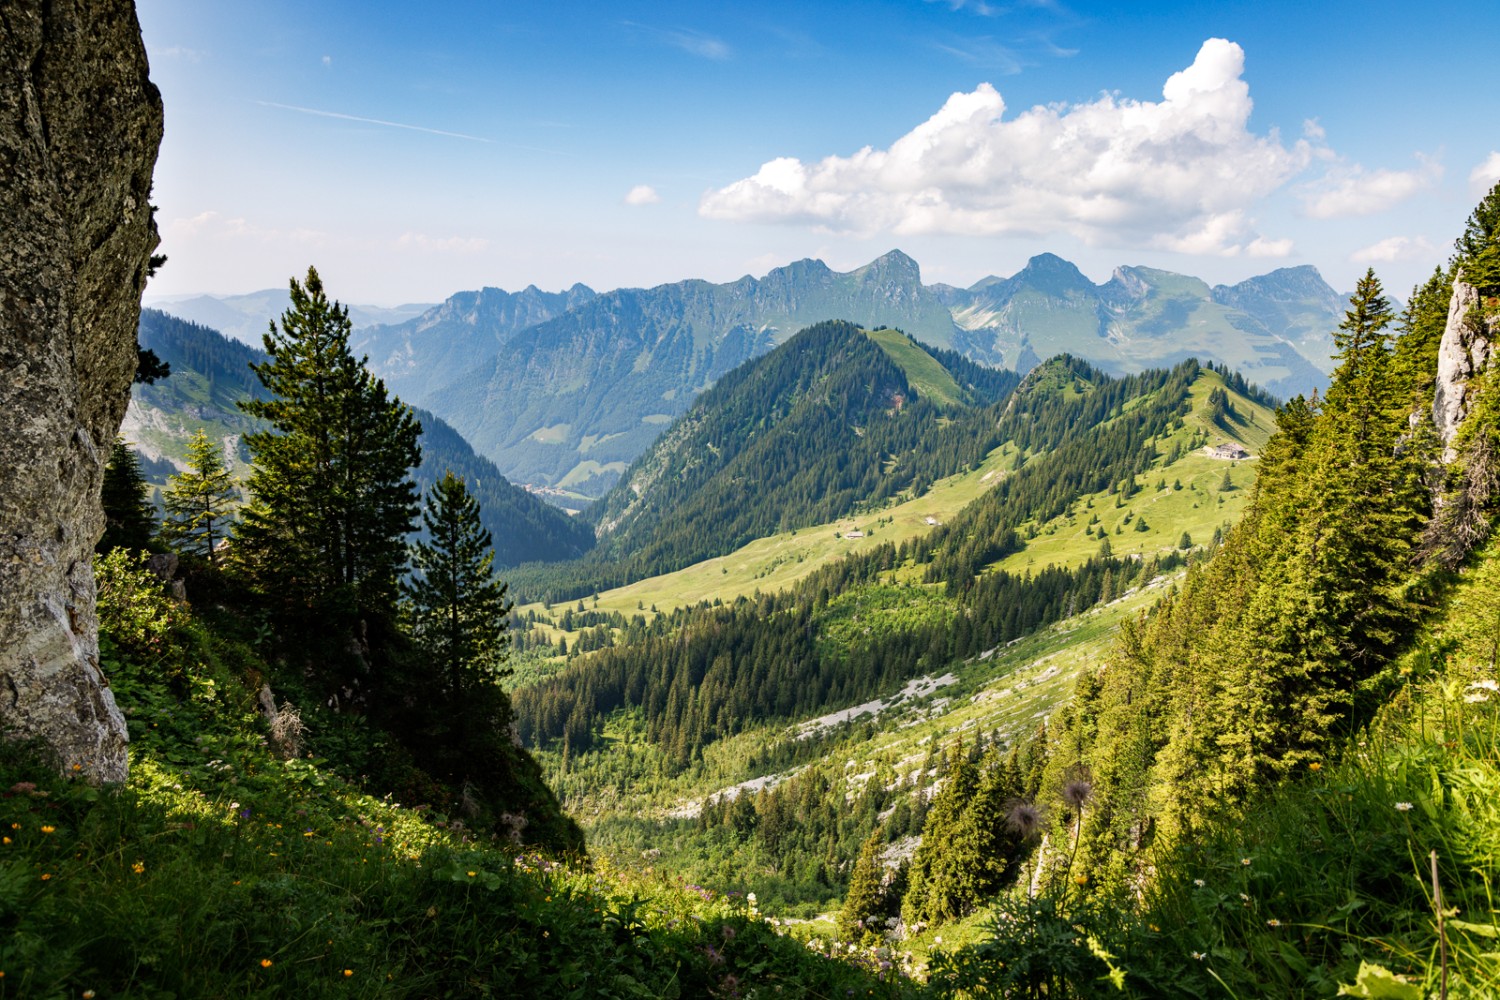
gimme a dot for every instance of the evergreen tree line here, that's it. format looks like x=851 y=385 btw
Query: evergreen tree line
x=1282 y=646
x=1087 y=440
x=320 y=547
x=704 y=673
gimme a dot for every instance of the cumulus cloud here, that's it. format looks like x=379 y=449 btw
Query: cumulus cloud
x=1394 y=248
x=642 y=194
x=1180 y=173
x=1356 y=191
x=1486 y=175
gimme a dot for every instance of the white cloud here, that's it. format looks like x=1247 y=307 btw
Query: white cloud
x=1262 y=247
x=642 y=194
x=422 y=243
x=1394 y=248
x=328 y=60
x=1486 y=175
x=1177 y=174
x=1356 y=191
x=213 y=225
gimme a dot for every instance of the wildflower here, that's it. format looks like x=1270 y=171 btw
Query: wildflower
x=1199 y=955
x=1199 y=882
x=1245 y=862
x=348 y=973
x=49 y=829
x=46 y=876
x=138 y=867
x=1315 y=766
x=1077 y=793
x=1081 y=879
x=265 y=963
x=1024 y=819
x=79 y=767
x=1403 y=807
x=1273 y=922
x=4 y=840
x=471 y=874
x=1485 y=685
x=87 y=994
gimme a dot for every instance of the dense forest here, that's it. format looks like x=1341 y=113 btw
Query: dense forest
x=704 y=672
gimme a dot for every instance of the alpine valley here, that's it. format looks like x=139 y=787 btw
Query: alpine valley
x=851 y=636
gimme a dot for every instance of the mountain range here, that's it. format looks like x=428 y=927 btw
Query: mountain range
x=564 y=390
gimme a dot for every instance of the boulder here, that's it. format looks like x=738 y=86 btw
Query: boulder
x=80 y=123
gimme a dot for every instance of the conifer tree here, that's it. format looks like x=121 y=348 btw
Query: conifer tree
x=940 y=888
x=456 y=605
x=863 y=899
x=333 y=495
x=200 y=502
x=128 y=517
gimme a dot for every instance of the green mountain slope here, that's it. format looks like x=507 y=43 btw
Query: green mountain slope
x=571 y=402
x=834 y=673
x=211 y=375
x=824 y=425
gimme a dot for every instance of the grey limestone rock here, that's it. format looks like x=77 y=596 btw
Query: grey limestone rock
x=80 y=123
x=1463 y=353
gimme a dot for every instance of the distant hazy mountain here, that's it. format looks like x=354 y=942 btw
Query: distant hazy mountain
x=572 y=401
x=245 y=317
x=1275 y=329
x=565 y=389
x=211 y=375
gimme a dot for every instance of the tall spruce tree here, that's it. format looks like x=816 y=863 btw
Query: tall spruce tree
x=864 y=898
x=128 y=517
x=200 y=502
x=457 y=607
x=333 y=498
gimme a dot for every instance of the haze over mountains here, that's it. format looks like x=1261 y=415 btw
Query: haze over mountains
x=564 y=390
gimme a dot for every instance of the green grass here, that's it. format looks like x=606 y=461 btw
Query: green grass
x=777 y=562
x=223 y=869
x=930 y=379
x=1198 y=508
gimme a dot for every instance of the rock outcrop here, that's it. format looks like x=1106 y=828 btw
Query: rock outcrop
x=1465 y=350
x=80 y=123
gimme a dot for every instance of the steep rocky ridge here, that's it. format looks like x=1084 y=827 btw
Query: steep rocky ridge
x=80 y=124
x=1465 y=350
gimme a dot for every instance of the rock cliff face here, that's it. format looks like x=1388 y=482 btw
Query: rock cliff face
x=1463 y=353
x=80 y=123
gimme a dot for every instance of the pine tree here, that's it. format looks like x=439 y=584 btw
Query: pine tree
x=128 y=517
x=333 y=495
x=200 y=502
x=456 y=605
x=864 y=897
x=1477 y=251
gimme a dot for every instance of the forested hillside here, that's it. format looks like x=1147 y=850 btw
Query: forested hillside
x=1286 y=772
x=706 y=672
x=824 y=424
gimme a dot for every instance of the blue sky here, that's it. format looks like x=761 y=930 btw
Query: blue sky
x=410 y=151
